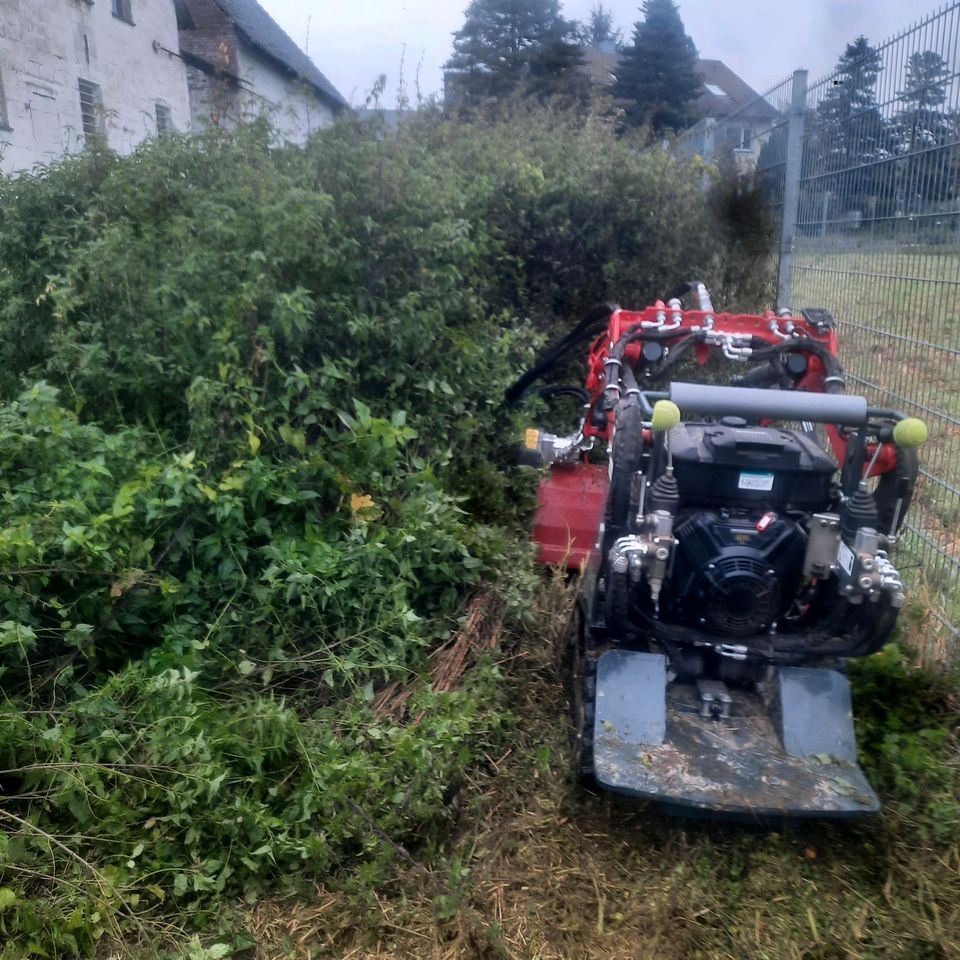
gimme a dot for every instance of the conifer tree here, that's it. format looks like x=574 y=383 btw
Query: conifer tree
x=506 y=47
x=600 y=28
x=851 y=134
x=657 y=79
x=921 y=132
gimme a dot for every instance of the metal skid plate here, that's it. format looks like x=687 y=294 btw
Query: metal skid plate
x=650 y=741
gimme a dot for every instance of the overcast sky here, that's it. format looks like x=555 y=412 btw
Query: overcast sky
x=352 y=41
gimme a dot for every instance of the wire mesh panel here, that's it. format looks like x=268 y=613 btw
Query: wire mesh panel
x=877 y=241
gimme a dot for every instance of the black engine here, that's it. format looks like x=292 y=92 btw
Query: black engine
x=735 y=572
x=743 y=543
x=737 y=565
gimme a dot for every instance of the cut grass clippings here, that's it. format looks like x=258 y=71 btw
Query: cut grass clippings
x=540 y=868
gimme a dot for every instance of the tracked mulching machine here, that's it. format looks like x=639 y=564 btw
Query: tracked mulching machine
x=734 y=549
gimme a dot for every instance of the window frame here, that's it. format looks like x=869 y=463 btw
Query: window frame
x=92 y=119
x=123 y=10
x=164 y=118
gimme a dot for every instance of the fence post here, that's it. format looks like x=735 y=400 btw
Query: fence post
x=791 y=187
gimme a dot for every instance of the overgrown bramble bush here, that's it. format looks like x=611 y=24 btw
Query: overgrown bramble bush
x=250 y=468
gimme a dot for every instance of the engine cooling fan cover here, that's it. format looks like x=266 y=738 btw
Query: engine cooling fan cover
x=731 y=578
x=741 y=595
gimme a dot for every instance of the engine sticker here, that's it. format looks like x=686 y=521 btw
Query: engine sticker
x=756 y=481
x=846 y=557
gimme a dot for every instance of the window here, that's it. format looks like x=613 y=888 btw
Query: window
x=740 y=138
x=121 y=10
x=164 y=120
x=715 y=90
x=184 y=19
x=91 y=107
x=4 y=117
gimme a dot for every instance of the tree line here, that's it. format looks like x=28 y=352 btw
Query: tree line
x=889 y=159
x=527 y=48
x=882 y=159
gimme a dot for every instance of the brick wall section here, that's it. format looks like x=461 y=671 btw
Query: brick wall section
x=214 y=40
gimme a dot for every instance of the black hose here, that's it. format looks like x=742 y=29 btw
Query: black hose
x=834 y=380
x=629 y=378
x=554 y=393
x=633 y=335
x=768 y=375
x=585 y=329
x=847 y=632
x=679 y=351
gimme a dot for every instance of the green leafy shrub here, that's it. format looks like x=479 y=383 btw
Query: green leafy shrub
x=251 y=451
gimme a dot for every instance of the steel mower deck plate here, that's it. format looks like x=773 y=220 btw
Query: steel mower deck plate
x=789 y=753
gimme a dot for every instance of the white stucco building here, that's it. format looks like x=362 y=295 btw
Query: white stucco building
x=241 y=65
x=72 y=69
x=128 y=70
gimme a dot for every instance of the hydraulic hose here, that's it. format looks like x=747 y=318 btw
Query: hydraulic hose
x=691 y=286
x=577 y=393
x=679 y=351
x=863 y=636
x=553 y=355
x=833 y=382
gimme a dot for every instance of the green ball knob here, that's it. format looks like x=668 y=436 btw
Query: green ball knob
x=910 y=433
x=666 y=415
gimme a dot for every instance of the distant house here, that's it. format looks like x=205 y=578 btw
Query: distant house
x=601 y=63
x=741 y=119
x=73 y=70
x=241 y=65
x=732 y=113
x=122 y=71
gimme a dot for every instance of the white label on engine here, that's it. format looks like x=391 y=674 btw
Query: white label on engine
x=756 y=481
x=846 y=557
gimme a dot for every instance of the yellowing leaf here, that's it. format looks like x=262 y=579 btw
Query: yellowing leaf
x=208 y=492
x=360 y=502
x=254 y=442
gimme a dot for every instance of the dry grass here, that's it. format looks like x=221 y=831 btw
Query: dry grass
x=541 y=870
x=480 y=634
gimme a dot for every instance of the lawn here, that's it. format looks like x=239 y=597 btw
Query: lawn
x=899 y=314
